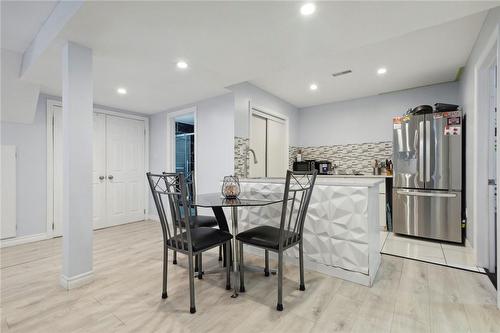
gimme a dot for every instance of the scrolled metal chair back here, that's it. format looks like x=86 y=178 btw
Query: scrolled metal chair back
x=173 y=186
x=298 y=189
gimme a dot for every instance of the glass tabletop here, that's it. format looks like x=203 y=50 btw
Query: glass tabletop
x=244 y=199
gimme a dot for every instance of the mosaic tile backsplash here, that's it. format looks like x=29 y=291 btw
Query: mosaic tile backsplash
x=347 y=157
x=240 y=148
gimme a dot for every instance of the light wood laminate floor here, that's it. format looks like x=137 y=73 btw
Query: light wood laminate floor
x=408 y=296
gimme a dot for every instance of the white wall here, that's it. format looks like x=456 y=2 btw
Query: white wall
x=157 y=145
x=19 y=98
x=31 y=169
x=214 y=142
x=367 y=119
x=215 y=125
x=261 y=99
x=476 y=140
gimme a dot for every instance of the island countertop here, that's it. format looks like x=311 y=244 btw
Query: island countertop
x=360 y=181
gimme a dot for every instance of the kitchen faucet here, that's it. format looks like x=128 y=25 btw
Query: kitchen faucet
x=249 y=150
x=253 y=153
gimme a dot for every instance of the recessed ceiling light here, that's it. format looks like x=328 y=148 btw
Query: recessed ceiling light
x=382 y=71
x=308 y=9
x=121 y=91
x=182 y=64
x=313 y=86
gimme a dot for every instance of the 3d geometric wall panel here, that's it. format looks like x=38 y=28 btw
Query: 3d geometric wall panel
x=336 y=226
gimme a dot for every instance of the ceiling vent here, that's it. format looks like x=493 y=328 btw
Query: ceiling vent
x=342 y=73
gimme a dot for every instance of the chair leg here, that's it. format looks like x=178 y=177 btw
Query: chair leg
x=225 y=253
x=220 y=253
x=279 y=306
x=165 y=272
x=200 y=266
x=192 y=307
x=196 y=263
x=227 y=259
x=242 y=270
x=266 y=259
x=301 y=264
x=174 y=261
x=228 y=266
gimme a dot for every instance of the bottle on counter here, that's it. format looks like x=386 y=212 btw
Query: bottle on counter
x=298 y=158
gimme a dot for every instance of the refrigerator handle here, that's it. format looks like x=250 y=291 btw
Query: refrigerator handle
x=421 y=151
x=426 y=194
x=427 y=151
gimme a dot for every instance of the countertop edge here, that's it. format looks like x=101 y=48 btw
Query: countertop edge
x=331 y=181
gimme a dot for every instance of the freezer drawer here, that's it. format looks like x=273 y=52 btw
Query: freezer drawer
x=429 y=214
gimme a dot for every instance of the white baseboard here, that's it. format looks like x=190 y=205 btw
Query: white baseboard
x=153 y=217
x=76 y=281
x=23 y=240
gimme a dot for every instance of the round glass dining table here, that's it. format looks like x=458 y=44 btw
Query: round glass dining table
x=217 y=202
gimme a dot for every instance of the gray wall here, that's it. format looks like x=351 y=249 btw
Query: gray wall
x=215 y=142
x=31 y=168
x=476 y=152
x=367 y=119
x=261 y=99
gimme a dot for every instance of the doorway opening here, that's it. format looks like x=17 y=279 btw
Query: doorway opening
x=181 y=143
x=185 y=146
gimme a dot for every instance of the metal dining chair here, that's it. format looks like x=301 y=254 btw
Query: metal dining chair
x=198 y=221
x=183 y=237
x=298 y=190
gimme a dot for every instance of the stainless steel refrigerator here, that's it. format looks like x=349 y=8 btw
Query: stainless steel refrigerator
x=427 y=158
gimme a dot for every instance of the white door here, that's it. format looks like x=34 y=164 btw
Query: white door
x=276 y=134
x=125 y=170
x=118 y=171
x=99 y=171
x=8 y=185
x=268 y=138
x=258 y=128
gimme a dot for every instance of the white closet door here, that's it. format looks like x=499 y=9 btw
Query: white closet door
x=276 y=133
x=125 y=170
x=99 y=171
x=258 y=130
x=8 y=185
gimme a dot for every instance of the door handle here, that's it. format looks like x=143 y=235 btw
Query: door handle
x=421 y=151
x=101 y=177
x=110 y=177
x=427 y=194
x=427 y=151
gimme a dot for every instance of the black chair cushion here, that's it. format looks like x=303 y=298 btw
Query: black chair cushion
x=264 y=236
x=202 y=221
x=202 y=238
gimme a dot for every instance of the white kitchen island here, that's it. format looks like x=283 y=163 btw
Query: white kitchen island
x=341 y=231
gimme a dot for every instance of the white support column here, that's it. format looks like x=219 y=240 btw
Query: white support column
x=77 y=165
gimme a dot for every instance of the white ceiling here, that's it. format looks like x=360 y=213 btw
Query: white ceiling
x=21 y=21
x=428 y=56
x=136 y=45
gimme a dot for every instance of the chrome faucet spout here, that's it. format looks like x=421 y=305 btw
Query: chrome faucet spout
x=254 y=156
